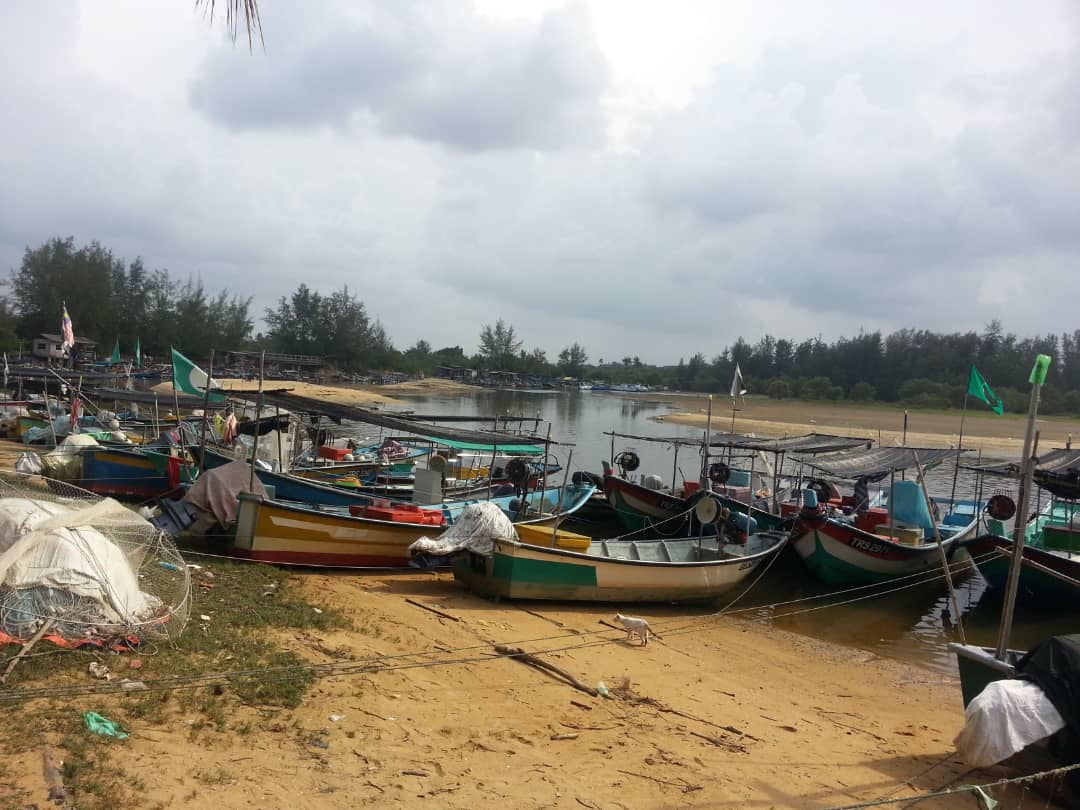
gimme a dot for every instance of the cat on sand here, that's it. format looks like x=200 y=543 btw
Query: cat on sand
x=634 y=628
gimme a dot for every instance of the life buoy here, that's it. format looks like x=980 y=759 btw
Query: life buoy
x=628 y=461
x=719 y=472
x=1000 y=507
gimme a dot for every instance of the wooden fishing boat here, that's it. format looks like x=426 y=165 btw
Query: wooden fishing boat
x=125 y=473
x=372 y=536
x=1050 y=557
x=686 y=570
x=876 y=544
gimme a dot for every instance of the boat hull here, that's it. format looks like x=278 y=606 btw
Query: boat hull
x=840 y=554
x=640 y=508
x=293 y=534
x=122 y=474
x=992 y=556
x=520 y=571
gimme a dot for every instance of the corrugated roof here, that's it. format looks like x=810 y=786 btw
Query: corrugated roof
x=805 y=443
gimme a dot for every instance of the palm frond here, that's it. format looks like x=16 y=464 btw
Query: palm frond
x=235 y=11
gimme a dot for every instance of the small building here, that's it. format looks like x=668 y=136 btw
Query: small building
x=459 y=373
x=51 y=347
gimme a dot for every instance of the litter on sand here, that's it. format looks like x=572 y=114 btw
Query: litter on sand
x=103 y=726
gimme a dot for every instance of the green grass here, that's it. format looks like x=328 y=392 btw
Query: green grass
x=249 y=606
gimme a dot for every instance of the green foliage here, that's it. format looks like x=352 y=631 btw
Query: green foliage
x=110 y=300
x=820 y=388
x=499 y=345
x=572 y=360
x=778 y=389
x=334 y=325
x=862 y=392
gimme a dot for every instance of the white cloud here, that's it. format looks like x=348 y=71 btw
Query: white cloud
x=643 y=179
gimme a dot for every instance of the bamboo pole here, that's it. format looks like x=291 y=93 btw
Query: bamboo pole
x=941 y=548
x=1031 y=444
x=959 y=446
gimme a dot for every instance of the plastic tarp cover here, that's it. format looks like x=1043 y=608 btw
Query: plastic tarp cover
x=1006 y=717
x=215 y=491
x=475 y=529
x=47 y=544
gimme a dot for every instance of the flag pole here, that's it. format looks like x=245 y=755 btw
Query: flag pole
x=258 y=410
x=959 y=446
x=704 y=480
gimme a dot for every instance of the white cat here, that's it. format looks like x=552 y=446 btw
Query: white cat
x=635 y=628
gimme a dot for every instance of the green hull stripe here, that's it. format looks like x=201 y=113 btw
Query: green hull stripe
x=518 y=569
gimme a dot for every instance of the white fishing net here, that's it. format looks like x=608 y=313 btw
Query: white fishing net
x=87 y=569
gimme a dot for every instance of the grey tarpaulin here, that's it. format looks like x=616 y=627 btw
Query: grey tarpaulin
x=877 y=463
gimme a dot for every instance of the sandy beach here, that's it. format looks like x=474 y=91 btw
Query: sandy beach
x=715 y=713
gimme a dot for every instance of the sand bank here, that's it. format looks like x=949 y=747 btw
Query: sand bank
x=716 y=713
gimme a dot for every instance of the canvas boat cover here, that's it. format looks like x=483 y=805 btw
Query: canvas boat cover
x=1054 y=664
x=150 y=398
x=1004 y=718
x=1060 y=460
x=64 y=462
x=475 y=529
x=216 y=490
x=877 y=463
x=337 y=411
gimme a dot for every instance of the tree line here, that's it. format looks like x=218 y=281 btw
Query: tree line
x=112 y=299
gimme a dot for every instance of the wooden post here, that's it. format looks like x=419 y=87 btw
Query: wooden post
x=941 y=549
x=277 y=429
x=562 y=495
x=959 y=446
x=258 y=410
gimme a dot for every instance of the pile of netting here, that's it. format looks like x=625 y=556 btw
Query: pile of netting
x=81 y=570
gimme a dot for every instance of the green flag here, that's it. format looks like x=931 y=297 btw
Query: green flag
x=115 y=358
x=188 y=378
x=980 y=389
x=138 y=354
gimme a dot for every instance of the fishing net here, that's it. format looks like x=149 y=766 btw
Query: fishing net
x=81 y=570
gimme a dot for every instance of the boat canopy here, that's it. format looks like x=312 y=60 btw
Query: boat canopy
x=336 y=411
x=877 y=463
x=805 y=443
x=1060 y=460
x=517 y=449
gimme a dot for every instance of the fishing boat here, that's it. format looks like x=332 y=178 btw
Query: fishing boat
x=686 y=570
x=742 y=486
x=375 y=535
x=873 y=543
x=1050 y=557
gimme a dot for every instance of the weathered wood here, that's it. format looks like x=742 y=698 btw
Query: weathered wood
x=34 y=639
x=520 y=655
x=436 y=611
x=720 y=743
x=565 y=736
x=581 y=705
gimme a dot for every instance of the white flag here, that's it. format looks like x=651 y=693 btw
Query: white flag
x=736 y=383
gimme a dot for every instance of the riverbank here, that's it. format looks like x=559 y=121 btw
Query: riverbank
x=983 y=430
x=716 y=712
x=358 y=395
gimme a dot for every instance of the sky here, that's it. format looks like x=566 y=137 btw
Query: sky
x=649 y=179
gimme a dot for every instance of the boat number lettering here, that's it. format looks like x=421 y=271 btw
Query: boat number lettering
x=867 y=546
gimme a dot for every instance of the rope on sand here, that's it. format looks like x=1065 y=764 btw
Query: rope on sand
x=978 y=790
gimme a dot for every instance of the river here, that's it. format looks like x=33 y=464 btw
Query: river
x=912 y=623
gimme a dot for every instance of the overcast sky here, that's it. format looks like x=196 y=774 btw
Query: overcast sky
x=644 y=178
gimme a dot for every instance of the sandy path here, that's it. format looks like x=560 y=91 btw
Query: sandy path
x=821 y=725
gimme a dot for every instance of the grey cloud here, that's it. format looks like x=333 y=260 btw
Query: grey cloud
x=453 y=78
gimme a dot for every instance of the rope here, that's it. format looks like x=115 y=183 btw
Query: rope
x=1015 y=780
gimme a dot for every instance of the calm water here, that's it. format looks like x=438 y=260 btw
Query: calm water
x=913 y=623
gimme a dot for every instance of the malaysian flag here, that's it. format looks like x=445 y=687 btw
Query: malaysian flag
x=67 y=331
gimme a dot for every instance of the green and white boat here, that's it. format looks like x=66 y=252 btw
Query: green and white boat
x=695 y=569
